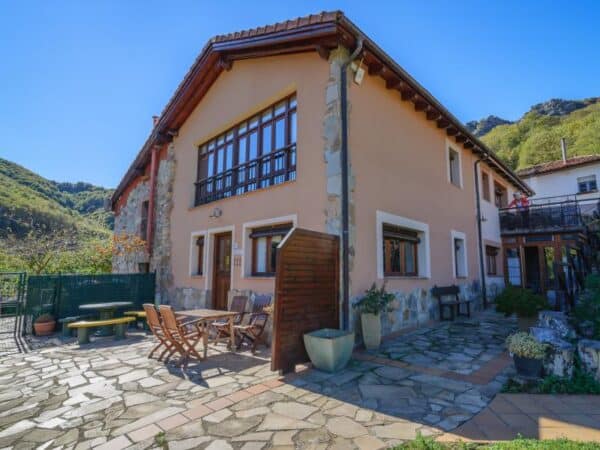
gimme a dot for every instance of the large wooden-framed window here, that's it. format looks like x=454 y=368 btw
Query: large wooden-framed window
x=256 y=153
x=144 y=220
x=199 y=255
x=264 y=248
x=491 y=260
x=485 y=186
x=400 y=252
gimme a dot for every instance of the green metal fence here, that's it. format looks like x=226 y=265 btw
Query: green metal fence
x=61 y=295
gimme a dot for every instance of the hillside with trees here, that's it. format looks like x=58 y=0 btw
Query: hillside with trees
x=535 y=138
x=41 y=219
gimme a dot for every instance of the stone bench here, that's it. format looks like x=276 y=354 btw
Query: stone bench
x=65 y=321
x=83 y=327
x=140 y=316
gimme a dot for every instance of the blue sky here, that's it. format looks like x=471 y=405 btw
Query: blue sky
x=80 y=80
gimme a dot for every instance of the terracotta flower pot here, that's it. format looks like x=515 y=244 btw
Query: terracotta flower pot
x=44 y=328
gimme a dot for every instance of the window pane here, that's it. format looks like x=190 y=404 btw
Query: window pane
x=253 y=122
x=253 y=150
x=280 y=108
x=203 y=168
x=220 y=140
x=229 y=156
x=261 y=255
x=210 y=171
x=409 y=257
x=266 y=137
x=220 y=160
x=293 y=102
x=229 y=137
x=293 y=130
x=242 y=151
x=275 y=240
x=280 y=134
x=267 y=115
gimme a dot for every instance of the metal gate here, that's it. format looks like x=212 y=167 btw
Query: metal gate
x=12 y=299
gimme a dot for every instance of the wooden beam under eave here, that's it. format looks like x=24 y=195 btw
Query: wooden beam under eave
x=460 y=138
x=451 y=131
x=392 y=83
x=375 y=68
x=323 y=52
x=420 y=105
x=468 y=145
x=225 y=63
x=443 y=123
x=407 y=94
x=432 y=114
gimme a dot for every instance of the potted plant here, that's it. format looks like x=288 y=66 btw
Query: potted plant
x=528 y=354
x=370 y=307
x=44 y=325
x=329 y=349
x=522 y=302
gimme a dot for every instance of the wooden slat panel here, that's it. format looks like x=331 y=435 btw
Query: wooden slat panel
x=306 y=293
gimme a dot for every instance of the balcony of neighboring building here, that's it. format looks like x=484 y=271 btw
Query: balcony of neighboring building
x=565 y=214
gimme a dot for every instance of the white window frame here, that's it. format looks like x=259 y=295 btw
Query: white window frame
x=247 y=228
x=451 y=147
x=462 y=236
x=193 y=266
x=423 y=252
x=587 y=179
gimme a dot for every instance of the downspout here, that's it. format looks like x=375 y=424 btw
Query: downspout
x=345 y=189
x=152 y=198
x=479 y=234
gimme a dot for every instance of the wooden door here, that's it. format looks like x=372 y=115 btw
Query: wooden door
x=221 y=271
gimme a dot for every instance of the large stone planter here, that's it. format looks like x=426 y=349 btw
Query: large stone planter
x=589 y=352
x=560 y=354
x=371 y=330
x=528 y=367
x=329 y=349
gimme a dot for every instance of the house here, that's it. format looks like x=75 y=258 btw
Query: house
x=259 y=138
x=549 y=247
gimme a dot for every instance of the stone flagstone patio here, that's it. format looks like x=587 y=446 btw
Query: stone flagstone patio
x=108 y=395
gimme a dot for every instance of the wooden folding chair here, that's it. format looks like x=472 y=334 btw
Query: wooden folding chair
x=221 y=327
x=153 y=321
x=252 y=333
x=185 y=335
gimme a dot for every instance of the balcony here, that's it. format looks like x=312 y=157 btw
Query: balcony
x=550 y=215
x=268 y=170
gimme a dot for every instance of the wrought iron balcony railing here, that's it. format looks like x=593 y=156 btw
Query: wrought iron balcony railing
x=268 y=170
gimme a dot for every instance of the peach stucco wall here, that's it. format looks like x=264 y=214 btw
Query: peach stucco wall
x=400 y=166
x=237 y=94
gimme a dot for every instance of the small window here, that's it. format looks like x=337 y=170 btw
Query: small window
x=265 y=241
x=400 y=252
x=587 y=184
x=485 y=186
x=144 y=220
x=460 y=260
x=500 y=195
x=491 y=257
x=454 y=166
x=200 y=255
x=143 y=267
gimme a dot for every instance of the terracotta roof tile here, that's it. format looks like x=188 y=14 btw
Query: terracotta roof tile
x=553 y=166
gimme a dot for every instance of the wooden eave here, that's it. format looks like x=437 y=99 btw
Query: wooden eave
x=335 y=30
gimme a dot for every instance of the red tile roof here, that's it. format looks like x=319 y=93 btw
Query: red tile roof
x=553 y=166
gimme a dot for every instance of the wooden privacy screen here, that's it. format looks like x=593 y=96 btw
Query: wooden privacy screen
x=306 y=293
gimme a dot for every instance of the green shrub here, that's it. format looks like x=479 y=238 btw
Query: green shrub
x=523 y=302
x=429 y=443
x=587 y=310
x=524 y=345
x=375 y=301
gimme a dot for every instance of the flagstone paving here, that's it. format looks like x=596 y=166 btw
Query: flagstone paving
x=109 y=395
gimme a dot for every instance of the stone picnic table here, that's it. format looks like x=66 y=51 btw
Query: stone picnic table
x=106 y=311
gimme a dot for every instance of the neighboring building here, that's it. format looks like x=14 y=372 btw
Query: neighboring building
x=549 y=247
x=567 y=177
x=251 y=145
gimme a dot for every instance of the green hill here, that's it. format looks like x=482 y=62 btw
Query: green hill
x=535 y=138
x=28 y=200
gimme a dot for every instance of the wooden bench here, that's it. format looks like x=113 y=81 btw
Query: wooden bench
x=140 y=316
x=65 y=321
x=451 y=305
x=83 y=327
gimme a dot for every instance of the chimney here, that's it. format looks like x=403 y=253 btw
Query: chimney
x=155 y=120
x=563 y=148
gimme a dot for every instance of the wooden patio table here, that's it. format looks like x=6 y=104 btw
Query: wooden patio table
x=209 y=315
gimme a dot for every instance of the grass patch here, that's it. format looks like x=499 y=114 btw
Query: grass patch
x=427 y=443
